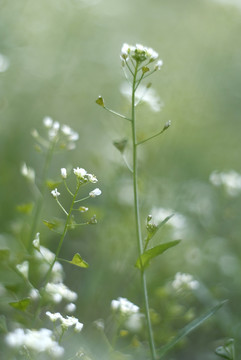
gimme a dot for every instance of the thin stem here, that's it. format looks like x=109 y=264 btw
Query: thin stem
x=85 y=198
x=127 y=164
x=116 y=113
x=137 y=219
x=67 y=188
x=151 y=137
x=61 y=206
x=40 y=198
x=62 y=236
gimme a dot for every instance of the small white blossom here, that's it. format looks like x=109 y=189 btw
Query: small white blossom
x=63 y=173
x=36 y=242
x=83 y=209
x=48 y=122
x=28 y=172
x=37 y=340
x=184 y=281
x=54 y=130
x=95 y=192
x=66 y=322
x=158 y=65
x=80 y=173
x=23 y=268
x=4 y=63
x=34 y=294
x=92 y=178
x=134 y=322
x=60 y=291
x=124 y=306
x=71 y=307
x=55 y=193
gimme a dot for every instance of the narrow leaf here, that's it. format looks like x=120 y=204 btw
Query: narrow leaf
x=144 y=260
x=78 y=261
x=152 y=230
x=21 y=304
x=190 y=327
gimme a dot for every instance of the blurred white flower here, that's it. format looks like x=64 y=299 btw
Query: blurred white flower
x=28 y=172
x=4 y=63
x=63 y=173
x=23 y=268
x=59 y=291
x=95 y=192
x=48 y=122
x=37 y=340
x=139 y=53
x=184 y=281
x=80 y=173
x=71 y=307
x=134 y=322
x=124 y=306
x=55 y=193
x=231 y=181
x=178 y=222
x=65 y=322
x=36 y=242
x=143 y=94
x=34 y=294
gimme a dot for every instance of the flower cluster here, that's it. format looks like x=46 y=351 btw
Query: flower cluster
x=184 y=281
x=140 y=54
x=124 y=306
x=231 y=181
x=59 y=292
x=65 y=322
x=61 y=135
x=83 y=176
x=36 y=340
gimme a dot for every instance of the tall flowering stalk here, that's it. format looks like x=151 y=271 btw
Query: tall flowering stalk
x=138 y=62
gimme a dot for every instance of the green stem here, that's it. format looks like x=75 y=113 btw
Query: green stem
x=137 y=219
x=41 y=195
x=62 y=236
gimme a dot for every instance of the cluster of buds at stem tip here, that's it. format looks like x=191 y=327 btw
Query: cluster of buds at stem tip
x=140 y=54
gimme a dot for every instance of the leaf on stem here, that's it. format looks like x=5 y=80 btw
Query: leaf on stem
x=226 y=351
x=100 y=101
x=144 y=260
x=152 y=229
x=78 y=261
x=55 y=225
x=190 y=327
x=120 y=145
x=21 y=304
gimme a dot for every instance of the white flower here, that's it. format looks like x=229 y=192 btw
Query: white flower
x=65 y=322
x=134 y=322
x=92 y=178
x=28 y=172
x=83 y=209
x=4 y=63
x=71 y=307
x=53 y=131
x=158 y=65
x=183 y=281
x=34 y=294
x=53 y=316
x=36 y=242
x=231 y=181
x=37 y=340
x=95 y=192
x=48 y=122
x=60 y=291
x=55 y=193
x=63 y=173
x=80 y=173
x=23 y=268
x=143 y=94
x=70 y=133
x=124 y=306
x=139 y=53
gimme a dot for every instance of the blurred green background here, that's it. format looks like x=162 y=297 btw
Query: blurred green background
x=64 y=53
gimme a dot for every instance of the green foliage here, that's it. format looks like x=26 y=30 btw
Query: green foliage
x=78 y=261
x=21 y=304
x=144 y=260
x=226 y=351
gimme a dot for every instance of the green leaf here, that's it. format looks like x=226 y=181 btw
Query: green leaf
x=21 y=304
x=152 y=230
x=227 y=351
x=144 y=260
x=52 y=184
x=100 y=101
x=78 y=261
x=120 y=145
x=189 y=328
x=25 y=208
x=4 y=254
x=55 y=225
